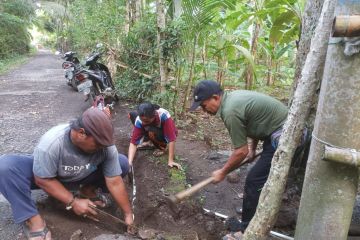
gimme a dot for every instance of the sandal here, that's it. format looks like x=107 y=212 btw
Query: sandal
x=233 y=236
x=42 y=233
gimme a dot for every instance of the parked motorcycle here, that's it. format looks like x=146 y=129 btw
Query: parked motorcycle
x=71 y=66
x=96 y=80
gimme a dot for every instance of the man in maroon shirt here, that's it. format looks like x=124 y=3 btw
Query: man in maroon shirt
x=156 y=124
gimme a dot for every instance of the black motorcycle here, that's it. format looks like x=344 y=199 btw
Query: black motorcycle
x=71 y=66
x=96 y=80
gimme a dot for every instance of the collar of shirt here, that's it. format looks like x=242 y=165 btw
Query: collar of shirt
x=221 y=107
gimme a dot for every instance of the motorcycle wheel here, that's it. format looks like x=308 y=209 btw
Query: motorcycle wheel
x=95 y=91
x=109 y=80
x=110 y=83
x=73 y=84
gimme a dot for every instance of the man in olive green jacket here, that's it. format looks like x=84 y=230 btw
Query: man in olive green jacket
x=246 y=114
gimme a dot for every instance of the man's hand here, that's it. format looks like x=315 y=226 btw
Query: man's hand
x=250 y=157
x=83 y=207
x=107 y=111
x=218 y=175
x=174 y=164
x=129 y=220
x=252 y=144
x=251 y=154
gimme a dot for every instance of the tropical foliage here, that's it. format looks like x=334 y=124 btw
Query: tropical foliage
x=15 y=18
x=157 y=50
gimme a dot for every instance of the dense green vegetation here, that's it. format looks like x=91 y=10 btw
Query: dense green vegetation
x=157 y=50
x=16 y=16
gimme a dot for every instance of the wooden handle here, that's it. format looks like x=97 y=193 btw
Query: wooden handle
x=190 y=191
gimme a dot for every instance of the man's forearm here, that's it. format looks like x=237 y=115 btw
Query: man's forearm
x=171 y=152
x=117 y=189
x=131 y=153
x=54 y=188
x=235 y=159
x=253 y=144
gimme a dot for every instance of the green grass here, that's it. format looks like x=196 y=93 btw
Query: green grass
x=10 y=63
x=177 y=177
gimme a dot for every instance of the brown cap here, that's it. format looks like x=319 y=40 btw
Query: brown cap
x=98 y=125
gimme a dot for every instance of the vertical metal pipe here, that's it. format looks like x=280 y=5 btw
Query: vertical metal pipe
x=330 y=188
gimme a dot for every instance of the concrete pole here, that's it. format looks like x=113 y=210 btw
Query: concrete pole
x=330 y=188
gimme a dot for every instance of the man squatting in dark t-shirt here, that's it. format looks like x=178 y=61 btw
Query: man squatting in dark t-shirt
x=82 y=152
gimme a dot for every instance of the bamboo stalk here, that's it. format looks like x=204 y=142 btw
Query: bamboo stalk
x=345 y=156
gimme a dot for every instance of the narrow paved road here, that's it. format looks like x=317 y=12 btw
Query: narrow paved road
x=34 y=98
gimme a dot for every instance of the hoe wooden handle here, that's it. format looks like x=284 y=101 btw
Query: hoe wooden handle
x=190 y=191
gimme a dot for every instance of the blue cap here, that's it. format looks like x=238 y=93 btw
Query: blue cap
x=205 y=89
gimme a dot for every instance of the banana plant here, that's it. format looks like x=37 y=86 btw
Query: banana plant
x=274 y=53
x=279 y=19
x=229 y=48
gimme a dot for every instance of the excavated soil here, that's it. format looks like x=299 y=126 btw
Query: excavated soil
x=35 y=97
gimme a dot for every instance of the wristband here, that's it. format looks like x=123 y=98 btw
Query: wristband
x=69 y=205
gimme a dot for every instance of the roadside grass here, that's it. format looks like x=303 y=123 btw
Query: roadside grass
x=10 y=63
x=177 y=177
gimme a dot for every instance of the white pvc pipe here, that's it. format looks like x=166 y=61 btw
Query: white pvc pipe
x=134 y=191
x=274 y=234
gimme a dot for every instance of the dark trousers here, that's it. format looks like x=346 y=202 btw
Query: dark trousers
x=17 y=181
x=254 y=183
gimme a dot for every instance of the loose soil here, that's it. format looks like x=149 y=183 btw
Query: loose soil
x=35 y=97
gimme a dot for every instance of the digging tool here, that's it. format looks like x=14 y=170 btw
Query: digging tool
x=197 y=187
x=103 y=214
x=190 y=191
x=110 y=221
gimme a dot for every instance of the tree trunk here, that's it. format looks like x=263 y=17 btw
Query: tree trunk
x=161 y=24
x=330 y=188
x=218 y=72
x=249 y=71
x=127 y=17
x=204 y=57
x=223 y=71
x=138 y=10
x=191 y=75
x=177 y=8
x=177 y=87
x=309 y=21
x=271 y=195
x=270 y=75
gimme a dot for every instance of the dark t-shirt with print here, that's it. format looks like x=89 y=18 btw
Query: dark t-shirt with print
x=56 y=156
